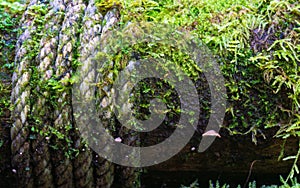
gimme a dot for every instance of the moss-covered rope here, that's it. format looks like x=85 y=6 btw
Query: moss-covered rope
x=104 y=169
x=41 y=109
x=25 y=53
x=62 y=115
x=91 y=29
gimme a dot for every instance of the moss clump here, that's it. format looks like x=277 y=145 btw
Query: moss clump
x=104 y=6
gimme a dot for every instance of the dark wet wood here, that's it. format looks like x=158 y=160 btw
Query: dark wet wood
x=233 y=153
x=228 y=159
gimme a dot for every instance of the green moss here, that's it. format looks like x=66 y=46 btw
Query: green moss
x=105 y=5
x=256 y=43
x=257 y=46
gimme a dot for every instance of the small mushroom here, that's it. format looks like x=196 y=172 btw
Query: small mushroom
x=211 y=133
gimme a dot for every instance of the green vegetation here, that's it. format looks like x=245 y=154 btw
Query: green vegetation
x=257 y=45
x=10 y=14
x=294 y=184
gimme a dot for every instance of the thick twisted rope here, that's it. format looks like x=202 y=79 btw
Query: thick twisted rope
x=89 y=38
x=47 y=54
x=104 y=169
x=126 y=176
x=57 y=46
x=63 y=166
x=20 y=147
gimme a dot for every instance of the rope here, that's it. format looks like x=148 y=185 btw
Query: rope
x=20 y=147
x=48 y=46
x=63 y=166
x=83 y=167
